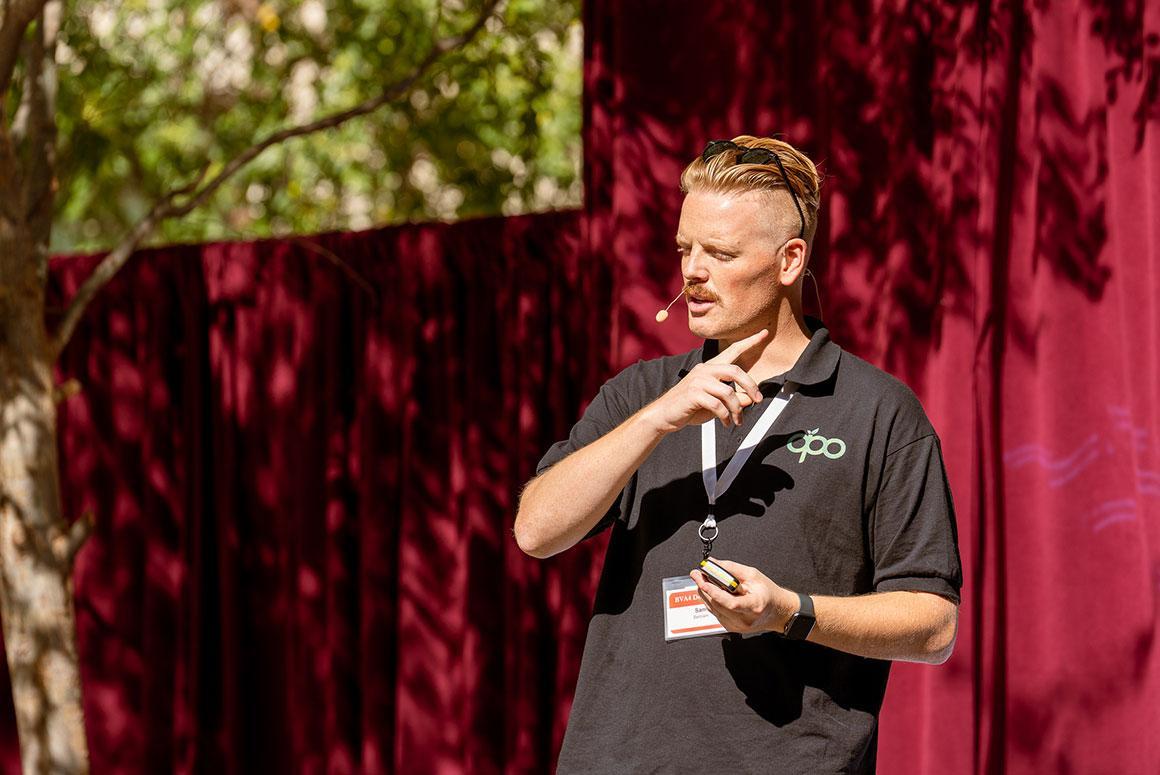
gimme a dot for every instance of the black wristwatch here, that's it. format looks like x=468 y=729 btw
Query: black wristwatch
x=801 y=623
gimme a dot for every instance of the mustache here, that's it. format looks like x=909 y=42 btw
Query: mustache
x=699 y=292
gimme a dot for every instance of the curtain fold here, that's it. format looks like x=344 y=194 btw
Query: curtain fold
x=303 y=456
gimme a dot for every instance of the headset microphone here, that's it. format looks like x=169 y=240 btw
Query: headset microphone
x=663 y=314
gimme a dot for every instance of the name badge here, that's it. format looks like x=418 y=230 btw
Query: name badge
x=686 y=615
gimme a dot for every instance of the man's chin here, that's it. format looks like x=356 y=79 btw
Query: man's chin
x=704 y=329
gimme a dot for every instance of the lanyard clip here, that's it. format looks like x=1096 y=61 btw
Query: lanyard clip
x=708 y=532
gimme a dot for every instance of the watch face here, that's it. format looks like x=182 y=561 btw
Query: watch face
x=799 y=626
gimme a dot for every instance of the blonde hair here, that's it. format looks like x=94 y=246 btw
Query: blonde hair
x=722 y=175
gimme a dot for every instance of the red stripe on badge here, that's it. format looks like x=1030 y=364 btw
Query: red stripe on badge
x=684 y=598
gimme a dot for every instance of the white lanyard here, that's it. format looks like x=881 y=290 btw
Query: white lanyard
x=714 y=487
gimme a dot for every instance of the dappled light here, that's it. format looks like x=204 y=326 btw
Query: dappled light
x=302 y=558
x=987 y=234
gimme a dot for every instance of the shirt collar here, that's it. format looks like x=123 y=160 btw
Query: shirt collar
x=815 y=365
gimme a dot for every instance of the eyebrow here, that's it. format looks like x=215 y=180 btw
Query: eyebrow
x=710 y=245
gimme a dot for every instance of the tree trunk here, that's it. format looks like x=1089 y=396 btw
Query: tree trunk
x=37 y=545
x=36 y=548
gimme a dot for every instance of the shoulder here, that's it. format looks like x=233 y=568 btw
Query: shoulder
x=895 y=407
x=645 y=380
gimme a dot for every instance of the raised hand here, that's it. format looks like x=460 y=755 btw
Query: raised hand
x=704 y=393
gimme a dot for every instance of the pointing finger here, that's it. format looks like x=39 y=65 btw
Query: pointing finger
x=738 y=348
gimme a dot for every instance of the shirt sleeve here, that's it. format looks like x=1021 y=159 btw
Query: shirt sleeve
x=607 y=411
x=913 y=534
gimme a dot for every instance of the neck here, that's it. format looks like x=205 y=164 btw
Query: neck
x=789 y=336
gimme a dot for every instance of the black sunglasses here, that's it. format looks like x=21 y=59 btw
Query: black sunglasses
x=749 y=155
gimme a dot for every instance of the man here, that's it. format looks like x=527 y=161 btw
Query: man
x=833 y=513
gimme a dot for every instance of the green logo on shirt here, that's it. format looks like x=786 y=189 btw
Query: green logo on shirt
x=810 y=443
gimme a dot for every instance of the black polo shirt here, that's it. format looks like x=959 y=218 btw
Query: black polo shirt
x=846 y=495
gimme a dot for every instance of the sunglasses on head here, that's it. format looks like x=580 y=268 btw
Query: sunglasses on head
x=747 y=155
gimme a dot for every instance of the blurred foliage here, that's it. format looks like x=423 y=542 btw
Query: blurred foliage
x=151 y=91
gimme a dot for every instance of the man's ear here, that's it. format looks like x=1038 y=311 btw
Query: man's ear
x=793 y=261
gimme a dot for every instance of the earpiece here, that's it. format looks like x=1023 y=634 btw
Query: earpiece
x=817 y=293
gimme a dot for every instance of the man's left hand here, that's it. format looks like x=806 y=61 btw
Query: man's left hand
x=759 y=605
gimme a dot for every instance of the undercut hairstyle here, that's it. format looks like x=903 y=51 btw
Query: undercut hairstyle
x=723 y=175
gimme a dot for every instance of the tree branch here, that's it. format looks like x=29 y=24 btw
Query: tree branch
x=170 y=207
x=346 y=268
x=392 y=92
x=18 y=14
x=104 y=272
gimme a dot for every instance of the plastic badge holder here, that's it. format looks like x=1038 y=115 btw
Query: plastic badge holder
x=686 y=615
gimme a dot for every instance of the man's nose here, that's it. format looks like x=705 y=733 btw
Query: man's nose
x=694 y=268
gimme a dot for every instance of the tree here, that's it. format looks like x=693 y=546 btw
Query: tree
x=152 y=92
x=208 y=138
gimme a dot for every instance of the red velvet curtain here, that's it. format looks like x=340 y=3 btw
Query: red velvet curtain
x=304 y=455
x=990 y=233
